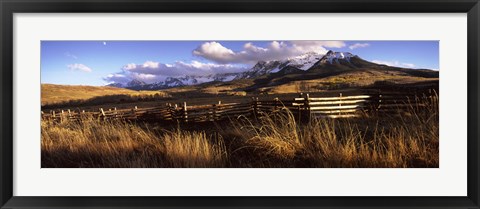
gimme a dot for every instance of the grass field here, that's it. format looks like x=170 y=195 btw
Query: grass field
x=410 y=140
x=54 y=94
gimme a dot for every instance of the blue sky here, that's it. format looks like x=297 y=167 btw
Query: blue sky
x=102 y=62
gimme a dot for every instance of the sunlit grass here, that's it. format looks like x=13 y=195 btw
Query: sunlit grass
x=407 y=139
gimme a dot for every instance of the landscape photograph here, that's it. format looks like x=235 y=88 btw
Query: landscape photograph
x=240 y=104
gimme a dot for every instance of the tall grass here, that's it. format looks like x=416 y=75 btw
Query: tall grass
x=272 y=140
x=92 y=143
x=407 y=139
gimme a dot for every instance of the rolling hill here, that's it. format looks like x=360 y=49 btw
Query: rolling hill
x=52 y=93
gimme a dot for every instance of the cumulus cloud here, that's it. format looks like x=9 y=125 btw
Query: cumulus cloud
x=358 y=45
x=151 y=72
x=395 y=63
x=316 y=46
x=117 y=78
x=181 y=68
x=251 y=53
x=79 y=67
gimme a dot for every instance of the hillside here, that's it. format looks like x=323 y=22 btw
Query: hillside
x=354 y=79
x=317 y=72
x=312 y=72
x=52 y=93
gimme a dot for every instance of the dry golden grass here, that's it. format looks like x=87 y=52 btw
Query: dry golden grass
x=52 y=93
x=92 y=143
x=346 y=80
x=211 y=89
x=407 y=140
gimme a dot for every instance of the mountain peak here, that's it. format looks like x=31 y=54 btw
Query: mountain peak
x=118 y=85
x=332 y=57
x=135 y=82
x=300 y=62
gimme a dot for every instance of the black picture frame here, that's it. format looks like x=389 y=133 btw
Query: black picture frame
x=9 y=7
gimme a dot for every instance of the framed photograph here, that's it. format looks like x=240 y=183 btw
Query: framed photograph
x=265 y=104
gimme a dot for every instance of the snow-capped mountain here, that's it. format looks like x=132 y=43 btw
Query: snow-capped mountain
x=194 y=80
x=261 y=68
x=135 y=82
x=176 y=81
x=303 y=63
x=331 y=57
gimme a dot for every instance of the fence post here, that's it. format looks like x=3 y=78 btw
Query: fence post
x=299 y=108
x=218 y=107
x=102 y=113
x=340 y=105
x=308 y=113
x=81 y=114
x=174 y=112
x=212 y=113
x=62 y=115
x=185 y=116
x=169 y=111
x=134 y=112
x=275 y=107
x=379 y=101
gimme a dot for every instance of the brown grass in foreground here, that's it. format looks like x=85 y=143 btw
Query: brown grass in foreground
x=116 y=144
x=410 y=140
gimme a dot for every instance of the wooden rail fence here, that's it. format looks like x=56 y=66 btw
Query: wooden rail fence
x=302 y=107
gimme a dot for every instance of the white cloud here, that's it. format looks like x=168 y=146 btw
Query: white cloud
x=215 y=51
x=151 y=72
x=79 y=67
x=251 y=53
x=116 y=78
x=358 y=45
x=395 y=63
x=408 y=65
x=181 y=68
x=316 y=46
x=68 y=54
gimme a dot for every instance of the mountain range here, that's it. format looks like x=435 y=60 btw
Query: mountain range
x=308 y=66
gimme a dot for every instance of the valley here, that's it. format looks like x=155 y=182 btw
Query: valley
x=316 y=110
x=312 y=73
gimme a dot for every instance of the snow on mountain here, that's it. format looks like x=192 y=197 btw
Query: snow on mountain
x=331 y=56
x=135 y=82
x=170 y=82
x=302 y=62
x=262 y=68
x=305 y=61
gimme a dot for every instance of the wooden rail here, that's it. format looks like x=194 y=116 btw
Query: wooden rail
x=302 y=107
